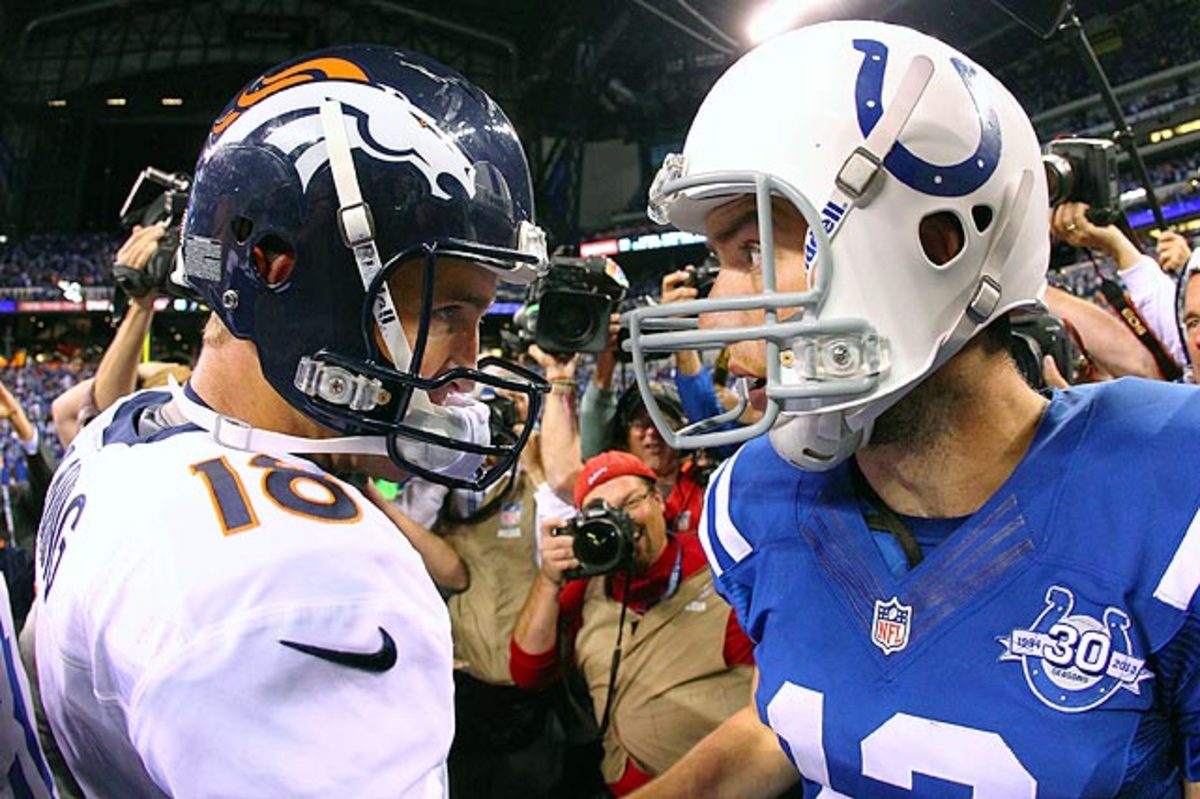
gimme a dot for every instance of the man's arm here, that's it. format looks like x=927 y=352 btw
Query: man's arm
x=441 y=560
x=741 y=759
x=117 y=374
x=1109 y=343
x=561 y=457
x=1150 y=290
x=535 y=634
x=68 y=408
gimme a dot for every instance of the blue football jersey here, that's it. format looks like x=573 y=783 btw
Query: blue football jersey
x=1048 y=648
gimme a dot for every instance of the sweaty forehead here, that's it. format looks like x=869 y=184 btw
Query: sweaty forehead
x=725 y=220
x=455 y=280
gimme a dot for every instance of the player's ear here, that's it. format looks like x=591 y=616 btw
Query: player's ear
x=274 y=261
x=941 y=237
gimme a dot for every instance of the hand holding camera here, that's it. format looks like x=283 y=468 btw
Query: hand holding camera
x=156 y=201
x=136 y=253
x=558 y=551
x=1070 y=222
x=600 y=540
x=678 y=286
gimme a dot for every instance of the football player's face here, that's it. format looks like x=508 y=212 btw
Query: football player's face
x=733 y=235
x=462 y=292
x=644 y=505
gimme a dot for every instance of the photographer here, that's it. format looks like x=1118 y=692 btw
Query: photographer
x=1151 y=291
x=698 y=393
x=662 y=703
x=119 y=372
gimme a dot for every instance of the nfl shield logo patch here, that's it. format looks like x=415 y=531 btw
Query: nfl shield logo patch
x=889 y=630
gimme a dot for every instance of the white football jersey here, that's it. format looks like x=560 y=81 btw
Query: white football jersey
x=216 y=623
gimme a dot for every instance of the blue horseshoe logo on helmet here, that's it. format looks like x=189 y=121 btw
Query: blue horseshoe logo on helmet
x=955 y=180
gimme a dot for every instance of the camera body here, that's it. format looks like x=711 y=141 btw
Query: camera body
x=503 y=417
x=602 y=540
x=1036 y=335
x=703 y=276
x=1084 y=170
x=145 y=206
x=568 y=306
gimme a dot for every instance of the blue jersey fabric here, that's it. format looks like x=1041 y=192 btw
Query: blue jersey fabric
x=1047 y=648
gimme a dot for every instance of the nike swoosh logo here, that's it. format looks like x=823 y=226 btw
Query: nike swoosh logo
x=378 y=661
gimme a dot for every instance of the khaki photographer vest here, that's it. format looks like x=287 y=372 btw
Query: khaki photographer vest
x=499 y=552
x=673 y=686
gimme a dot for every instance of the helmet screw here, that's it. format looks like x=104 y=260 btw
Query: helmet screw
x=230 y=299
x=787 y=359
x=384 y=396
x=337 y=385
x=840 y=354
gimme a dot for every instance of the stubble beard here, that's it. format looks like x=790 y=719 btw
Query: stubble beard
x=920 y=420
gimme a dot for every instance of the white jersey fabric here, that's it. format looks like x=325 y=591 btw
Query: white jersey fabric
x=170 y=570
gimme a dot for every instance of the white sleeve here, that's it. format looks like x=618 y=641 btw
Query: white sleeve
x=421 y=500
x=549 y=505
x=236 y=712
x=1153 y=294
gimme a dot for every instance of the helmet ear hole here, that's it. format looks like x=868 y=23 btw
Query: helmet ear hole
x=942 y=237
x=982 y=216
x=241 y=228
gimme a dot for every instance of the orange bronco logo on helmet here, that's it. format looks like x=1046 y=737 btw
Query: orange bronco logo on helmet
x=305 y=71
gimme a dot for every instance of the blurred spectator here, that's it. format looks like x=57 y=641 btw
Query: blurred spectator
x=685 y=666
x=22 y=503
x=41 y=261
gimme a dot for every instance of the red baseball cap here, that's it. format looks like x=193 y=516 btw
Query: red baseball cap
x=608 y=466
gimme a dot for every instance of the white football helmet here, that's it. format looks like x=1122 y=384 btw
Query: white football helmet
x=867 y=129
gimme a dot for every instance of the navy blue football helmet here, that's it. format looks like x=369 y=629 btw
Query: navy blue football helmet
x=354 y=160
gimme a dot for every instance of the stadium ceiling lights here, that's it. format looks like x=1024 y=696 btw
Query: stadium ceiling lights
x=57 y=102
x=115 y=101
x=772 y=18
x=172 y=101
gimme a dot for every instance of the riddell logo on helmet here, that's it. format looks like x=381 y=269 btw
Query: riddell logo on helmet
x=305 y=71
x=831 y=215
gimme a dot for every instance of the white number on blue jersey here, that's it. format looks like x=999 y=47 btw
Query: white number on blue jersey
x=902 y=746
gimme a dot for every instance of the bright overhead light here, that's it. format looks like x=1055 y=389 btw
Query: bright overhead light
x=115 y=101
x=172 y=101
x=58 y=102
x=772 y=18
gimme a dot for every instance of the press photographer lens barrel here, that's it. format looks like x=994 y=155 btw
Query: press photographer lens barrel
x=602 y=540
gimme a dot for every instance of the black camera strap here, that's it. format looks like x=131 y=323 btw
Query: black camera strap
x=1115 y=295
x=672 y=587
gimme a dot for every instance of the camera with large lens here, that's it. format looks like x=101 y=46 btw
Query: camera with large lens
x=156 y=197
x=1085 y=171
x=1036 y=335
x=602 y=540
x=569 y=305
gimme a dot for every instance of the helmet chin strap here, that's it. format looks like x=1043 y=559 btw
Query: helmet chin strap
x=357 y=226
x=470 y=424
